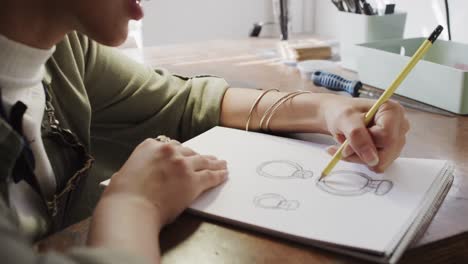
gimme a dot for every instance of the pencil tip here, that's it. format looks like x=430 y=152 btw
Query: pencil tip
x=323 y=175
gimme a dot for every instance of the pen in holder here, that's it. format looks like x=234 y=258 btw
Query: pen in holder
x=282 y=19
x=357 y=29
x=281 y=12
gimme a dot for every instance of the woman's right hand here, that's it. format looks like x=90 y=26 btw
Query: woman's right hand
x=169 y=176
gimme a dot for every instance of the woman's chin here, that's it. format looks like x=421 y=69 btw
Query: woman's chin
x=112 y=38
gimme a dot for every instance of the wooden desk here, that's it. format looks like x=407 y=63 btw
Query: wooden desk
x=244 y=64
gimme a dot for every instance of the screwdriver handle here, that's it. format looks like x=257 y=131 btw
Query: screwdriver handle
x=336 y=83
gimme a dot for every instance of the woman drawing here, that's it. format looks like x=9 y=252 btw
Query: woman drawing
x=75 y=112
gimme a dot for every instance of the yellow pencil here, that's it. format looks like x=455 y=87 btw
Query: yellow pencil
x=387 y=94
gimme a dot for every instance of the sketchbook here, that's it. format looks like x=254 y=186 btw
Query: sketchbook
x=273 y=187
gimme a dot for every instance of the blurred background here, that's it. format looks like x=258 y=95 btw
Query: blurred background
x=183 y=21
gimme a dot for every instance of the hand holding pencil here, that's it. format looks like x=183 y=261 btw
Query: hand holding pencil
x=376 y=145
x=370 y=115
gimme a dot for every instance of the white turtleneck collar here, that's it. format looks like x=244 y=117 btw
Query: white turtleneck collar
x=21 y=65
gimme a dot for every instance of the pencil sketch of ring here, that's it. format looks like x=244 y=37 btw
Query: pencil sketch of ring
x=353 y=183
x=283 y=169
x=275 y=201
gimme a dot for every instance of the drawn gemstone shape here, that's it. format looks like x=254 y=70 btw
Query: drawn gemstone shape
x=383 y=187
x=303 y=174
x=283 y=169
x=346 y=183
x=275 y=201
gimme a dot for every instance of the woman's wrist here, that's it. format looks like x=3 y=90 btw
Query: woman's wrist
x=120 y=191
x=138 y=205
x=309 y=112
x=302 y=113
x=126 y=222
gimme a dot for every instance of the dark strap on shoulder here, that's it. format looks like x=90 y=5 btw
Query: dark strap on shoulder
x=16 y=117
x=25 y=164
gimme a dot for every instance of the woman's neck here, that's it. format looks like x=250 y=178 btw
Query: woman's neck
x=29 y=23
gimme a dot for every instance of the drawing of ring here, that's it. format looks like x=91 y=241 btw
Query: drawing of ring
x=275 y=201
x=353 y=183
x=283 y=169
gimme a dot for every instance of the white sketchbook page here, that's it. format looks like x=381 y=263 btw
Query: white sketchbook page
x=366 y=221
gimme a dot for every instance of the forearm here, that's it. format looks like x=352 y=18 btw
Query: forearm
x=126 y=223
x=302 y=113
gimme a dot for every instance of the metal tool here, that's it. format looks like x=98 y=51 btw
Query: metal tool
x=339 y=4
x=353 y=6
x=367 y=8
x=356 y=89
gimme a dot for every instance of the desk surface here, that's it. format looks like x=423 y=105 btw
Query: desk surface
x=248 y=63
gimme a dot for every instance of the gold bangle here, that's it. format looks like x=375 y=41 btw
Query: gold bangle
x=265 y=115
x=275 y=106
x=254 y=105
x=274 y=110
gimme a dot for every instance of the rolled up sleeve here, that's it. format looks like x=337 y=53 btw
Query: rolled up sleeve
x=131 y=101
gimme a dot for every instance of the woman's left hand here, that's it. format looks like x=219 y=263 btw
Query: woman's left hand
x=376 y=145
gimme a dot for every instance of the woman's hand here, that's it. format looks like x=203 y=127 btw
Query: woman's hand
x=152 y=188
x=377 y=145
x=167 y=175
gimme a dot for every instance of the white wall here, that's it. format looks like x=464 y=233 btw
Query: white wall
x=423 y=16
x=176 y=21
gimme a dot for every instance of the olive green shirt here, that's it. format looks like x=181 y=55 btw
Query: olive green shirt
x=111 y=103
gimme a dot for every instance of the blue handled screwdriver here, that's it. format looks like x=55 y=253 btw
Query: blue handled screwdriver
x=339 y=84
x=356 y=89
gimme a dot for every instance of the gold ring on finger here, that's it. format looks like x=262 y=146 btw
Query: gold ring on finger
x=163 y=139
